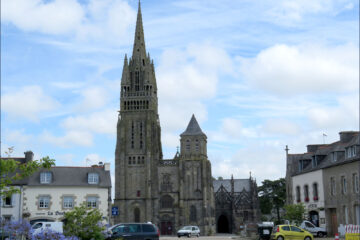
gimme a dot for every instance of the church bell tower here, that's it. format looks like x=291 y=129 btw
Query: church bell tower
x=138 y=143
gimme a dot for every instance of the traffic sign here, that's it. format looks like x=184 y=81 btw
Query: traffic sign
x=115 y=211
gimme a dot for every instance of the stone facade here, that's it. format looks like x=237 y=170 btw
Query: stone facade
x=333 y=170
x=236 y=204
x=170 y=193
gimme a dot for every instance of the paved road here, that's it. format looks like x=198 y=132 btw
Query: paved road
x=221 y=237
x=217 y=237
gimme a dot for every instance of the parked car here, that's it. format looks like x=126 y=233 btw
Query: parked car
x=139 y=231
x=189 y=231
x=43 y=226
x=310 y=227
x=290 y=232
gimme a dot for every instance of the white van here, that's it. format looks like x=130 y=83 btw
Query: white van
x=310 y=227
x=44 y=226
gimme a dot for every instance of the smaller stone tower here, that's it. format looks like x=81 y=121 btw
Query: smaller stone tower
x=193 y=141
x=196 y=190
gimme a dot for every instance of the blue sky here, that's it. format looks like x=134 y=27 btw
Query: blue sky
x=258 y=75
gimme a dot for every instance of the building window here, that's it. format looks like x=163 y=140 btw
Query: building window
x=193 y=217
x=45 y=177
x=344 y=185
x=92 y=202
x=44 y=202
x=332 y=186
x=7 y=202
x=357 y=214
x=306 y=193
x=197 y=145
x=314 y=161
x=346 y=215
x=356 y=183
x=166 y=201
x=315 y=192
x=333 y=156
x=353 y=151
x=136 y=215
x=68 y=202
x=187 y=146
x=298 y=196
x=93 y=178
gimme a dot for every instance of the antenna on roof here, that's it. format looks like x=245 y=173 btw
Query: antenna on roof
x=324 y=135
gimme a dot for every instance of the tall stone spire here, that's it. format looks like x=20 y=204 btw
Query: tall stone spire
x=125 y=74
x=139 y=51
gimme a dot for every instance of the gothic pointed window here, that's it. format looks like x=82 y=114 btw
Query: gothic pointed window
x=137 y=81
x=193 y=217
x=166 y=201
x=187 y=146
x=197 y=145
x=136 y=215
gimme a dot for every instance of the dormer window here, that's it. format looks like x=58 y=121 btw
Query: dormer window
x=351 y=152
x=93 y=178
x=333 y=157
x=45 y=177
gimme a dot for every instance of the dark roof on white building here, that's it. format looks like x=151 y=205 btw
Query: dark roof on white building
x=72 y=176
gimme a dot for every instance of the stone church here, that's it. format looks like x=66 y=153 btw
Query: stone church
x=168 y=192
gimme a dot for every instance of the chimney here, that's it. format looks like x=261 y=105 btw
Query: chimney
x=29 y=156
x=313 y=147
x=346 y=136
x=107 y=166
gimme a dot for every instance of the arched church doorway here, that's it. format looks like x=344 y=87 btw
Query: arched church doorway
x=314 y=217
x=223 y=224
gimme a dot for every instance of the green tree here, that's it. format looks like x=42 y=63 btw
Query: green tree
x=272 y=194
x=295 y=213
x=12 y=170
x=84 y=223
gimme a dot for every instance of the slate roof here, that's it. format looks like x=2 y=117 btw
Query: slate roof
x=326 y=151
x=193 y=128
x=72 y=176
x=239 y=185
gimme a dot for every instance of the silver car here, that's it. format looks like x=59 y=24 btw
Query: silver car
x=189 y=231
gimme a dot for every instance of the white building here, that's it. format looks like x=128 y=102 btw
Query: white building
x=11 y=206
x=308 y=189
x=49 y=193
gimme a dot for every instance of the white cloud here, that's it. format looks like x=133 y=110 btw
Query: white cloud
x=55 y=17
x=93 y=98
x=287 y=70
x=186 y=78
x=71 y=138
x=192 y=73
x=29 y=102
x=344 y=115
x=281 y=127
x=103 y=122
x=106 y=20
x=232 y=127
x=287 y=12
x=241 y=162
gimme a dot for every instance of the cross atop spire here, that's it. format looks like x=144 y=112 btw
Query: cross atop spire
x=139 y=50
